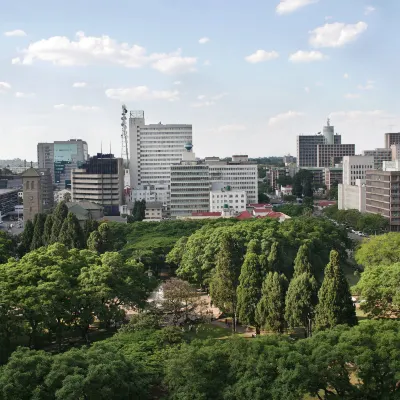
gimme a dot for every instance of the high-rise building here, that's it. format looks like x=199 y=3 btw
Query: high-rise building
x=383 y=193
x=61 y=157
x=355 y=167
x=380 y=155
x=395 y=151
x=37 y=192
x=100 y=180
x=333 y=176
x=154 y=148
x=392 y=138
x=328 y=155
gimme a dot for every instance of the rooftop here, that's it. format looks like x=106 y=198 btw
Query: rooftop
x=5 y=191
x=206 y=214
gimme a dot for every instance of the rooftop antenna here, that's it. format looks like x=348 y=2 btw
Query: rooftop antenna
x=124 y=136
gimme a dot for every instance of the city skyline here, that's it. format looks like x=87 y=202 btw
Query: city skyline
x=249 y=79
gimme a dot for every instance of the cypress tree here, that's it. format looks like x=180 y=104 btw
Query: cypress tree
x=273 y=258
x=249 y=289
x=94 y=242
x=224 y=283
x=105 y=235
x=301 y=299
x=270 y=312
x=48 y=226
x=26 y=238
x=139 y=210
x=301 y=262
x=90 y=226
x=38 y=231
x=335 y=306
x=71 y=234
x=59 y=216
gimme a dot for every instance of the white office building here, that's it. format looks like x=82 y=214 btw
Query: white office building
x=239 y=174
x=352 y=197
x=222 y=197
x=154 y=148
x=355 y=167
x=151 y=193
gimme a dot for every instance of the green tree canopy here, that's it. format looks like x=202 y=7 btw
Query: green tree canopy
x=38 y=239
x=59 y=216
x=71 y=234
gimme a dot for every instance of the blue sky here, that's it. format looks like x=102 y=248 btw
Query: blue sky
x=249 y=76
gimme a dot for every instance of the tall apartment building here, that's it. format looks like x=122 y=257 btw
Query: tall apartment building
x=328 y=155
x=239 y=174
x=392 y=138
x=355 y=167
x=383 y=193
x=37 y=192
x=61 y=157
x=380 y=155
x=190 y=186
x=100 y=180
x=154 y=148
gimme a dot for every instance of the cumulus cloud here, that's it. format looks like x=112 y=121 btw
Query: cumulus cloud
x=307 y=56
x=204 y=40
x=75 y=107
x=346 y=76
x=307 y=89
x=352 y=96
x=261 y=55
x=79 y=84
x=4 y=86
x=88 y=50
x=368 y=86
x=279 y=118
x=289 y=6
x=141 y=93
x=369 y=10
x=16 y=32
x=22 y=95
x=336 y=34
x=177 y=83
x=207 y=63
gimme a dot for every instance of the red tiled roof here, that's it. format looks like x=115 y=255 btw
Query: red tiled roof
x=244 y=215
x=325 y=203
x=261 y=210
x=206 y=214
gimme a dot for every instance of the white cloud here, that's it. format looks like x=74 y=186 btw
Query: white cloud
x=288 y=6
x=204 y=40
x=177 y=83
x=261 y=55
x=89 y=50
x=75 y=107
x=369 y=10
x=346 y=76
x=368 y=86
x=16 y=32
x=79 y=84
x=207 y=101
x=141 y=93
x=22 y=95
x=307 y=56
x=329 y=17
x=207 y=63
x=352 y=96
x=231 y=128
x=336 y=34
x=307 y=89
x=284 y=117
x=4 y=86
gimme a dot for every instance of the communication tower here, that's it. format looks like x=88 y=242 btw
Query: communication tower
x=124 y=137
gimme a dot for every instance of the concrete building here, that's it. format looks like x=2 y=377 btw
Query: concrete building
x=328 y=155
x=391 y=138
x=85 y=210
x=380 y=155
x=223 y=197
x=190 y=185
x=154 y=148
x=333 y=175
x=154 y=211
x=274 y=174
x=61 y=195
x=239 y=174
x=149 y=193
x=352 y=197
x=395 y=151
x=61 y=157
x=101 y=181
x=8 y=201
x=355 y=167
x=289 y=159
x=37 y=192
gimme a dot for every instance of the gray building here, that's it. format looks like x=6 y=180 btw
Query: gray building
x=380 y=155
x=8 y=201
x=392 y=138
x=61 y=157
x=323 y=149
x=100 y=180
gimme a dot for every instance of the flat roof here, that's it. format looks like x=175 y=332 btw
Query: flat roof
x=5 y=191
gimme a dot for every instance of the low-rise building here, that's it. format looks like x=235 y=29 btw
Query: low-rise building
x=352 y=197
x=224 y=197
x=154 y=211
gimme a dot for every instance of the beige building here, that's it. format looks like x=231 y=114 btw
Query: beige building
x=153 y=211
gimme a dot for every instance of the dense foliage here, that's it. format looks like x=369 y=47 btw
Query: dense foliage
x=151 y=363
x=364 y=222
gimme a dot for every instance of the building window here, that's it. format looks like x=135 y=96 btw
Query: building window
x=33 y=185
x=27 y=185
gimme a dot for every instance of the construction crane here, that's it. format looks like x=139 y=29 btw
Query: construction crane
x=124 y=136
